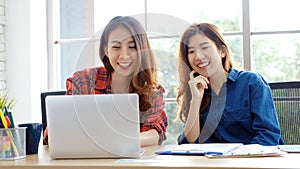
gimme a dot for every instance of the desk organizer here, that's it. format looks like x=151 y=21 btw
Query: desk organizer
x=12 y=143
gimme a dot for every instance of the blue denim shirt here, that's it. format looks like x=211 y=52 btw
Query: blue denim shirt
x=247 y=114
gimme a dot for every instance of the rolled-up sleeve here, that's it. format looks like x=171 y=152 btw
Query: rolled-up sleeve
x=155 y=117
x=265 y=120
x=82 y=82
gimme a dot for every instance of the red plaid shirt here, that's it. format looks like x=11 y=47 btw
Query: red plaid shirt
x=98 y=81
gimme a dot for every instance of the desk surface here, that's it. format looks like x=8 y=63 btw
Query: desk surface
x=151 y=160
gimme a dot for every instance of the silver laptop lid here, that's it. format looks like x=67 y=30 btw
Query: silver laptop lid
x=93 y=126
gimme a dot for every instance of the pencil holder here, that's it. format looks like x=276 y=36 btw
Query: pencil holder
x=12 y=143
x=33 y=135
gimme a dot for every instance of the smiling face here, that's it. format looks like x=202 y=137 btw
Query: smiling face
x=203 y=55
x=122 y=52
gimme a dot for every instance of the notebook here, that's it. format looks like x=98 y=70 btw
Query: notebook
x=293 y=148
x=93 y=126
x=223 y=150
x=200 y=149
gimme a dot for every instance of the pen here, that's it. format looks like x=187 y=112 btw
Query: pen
x=1 y=124
x=8 y=123
x=2 y=118
x=9 y=134
x=10 y=118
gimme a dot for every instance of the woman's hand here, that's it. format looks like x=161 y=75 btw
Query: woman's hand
x=149 y=138
x=197 y=85
x=192 y=126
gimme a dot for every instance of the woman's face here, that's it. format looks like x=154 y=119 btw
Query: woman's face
x=122 y=52
x=204 y=56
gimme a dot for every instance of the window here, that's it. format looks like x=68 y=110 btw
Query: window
x=275 y=39
x=260 y=39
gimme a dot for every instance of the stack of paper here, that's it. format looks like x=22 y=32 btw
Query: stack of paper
x=217 y=150
x=200 y=149
x=251 y=150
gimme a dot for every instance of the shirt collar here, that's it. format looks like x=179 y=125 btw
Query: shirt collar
x=233 y=75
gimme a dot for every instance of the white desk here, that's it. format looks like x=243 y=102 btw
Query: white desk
x=151 y=160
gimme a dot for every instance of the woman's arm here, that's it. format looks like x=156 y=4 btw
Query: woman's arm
x=83 y=82
x=149 y=137
x=154 y=121
x=192 y=126
x=265 y=120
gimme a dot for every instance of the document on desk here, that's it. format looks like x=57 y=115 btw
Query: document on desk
x=200 y=149
x=223 y=150
x=250 y=150
x=290 y=148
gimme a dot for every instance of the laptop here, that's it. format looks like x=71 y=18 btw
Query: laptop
x=93 y=126
x=43 y=109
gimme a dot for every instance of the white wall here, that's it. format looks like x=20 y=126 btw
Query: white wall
x=26 y=56
x=2 y=48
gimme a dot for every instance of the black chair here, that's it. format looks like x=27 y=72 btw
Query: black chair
x=43 y=106
x=286 y=96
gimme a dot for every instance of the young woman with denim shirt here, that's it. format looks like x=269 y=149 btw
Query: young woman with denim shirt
x=217 y=103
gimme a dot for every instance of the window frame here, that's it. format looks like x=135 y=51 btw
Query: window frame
x=54 y=41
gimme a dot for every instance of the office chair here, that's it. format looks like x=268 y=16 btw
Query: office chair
x=43 y=106
x=286 y=96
